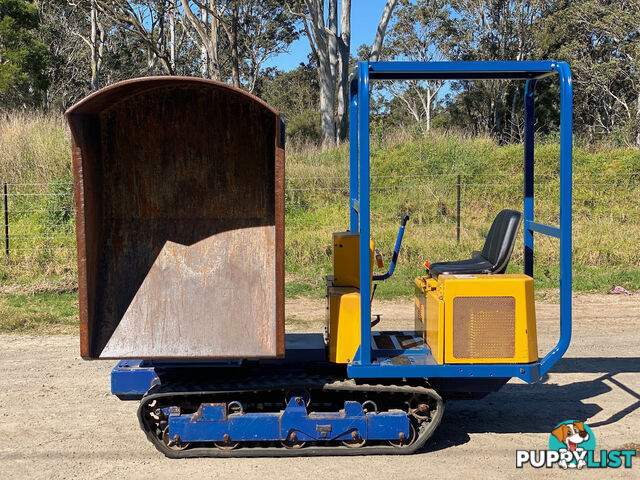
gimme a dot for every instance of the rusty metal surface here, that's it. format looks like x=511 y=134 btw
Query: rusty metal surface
x=179 y=187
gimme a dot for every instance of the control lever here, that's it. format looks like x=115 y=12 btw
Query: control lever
x=396 y=250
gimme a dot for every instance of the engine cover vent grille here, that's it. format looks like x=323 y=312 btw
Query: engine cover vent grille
x=484 y=327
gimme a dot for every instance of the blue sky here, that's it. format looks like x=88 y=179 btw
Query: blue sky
x=365 y=15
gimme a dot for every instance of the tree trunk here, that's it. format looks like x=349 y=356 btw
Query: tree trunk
x=152 y=61
x=233 y=44
x=208 y=34
x=428 y=109
x=332 y=38
x=320 y=45
x=497 y=124
x=381 y=30
x=327 y=100
x=172 y=36
x=514 y=125
x=344 y=48
x=332 y=52
x=97 y=47
x=204 y=54
x=214 y=66
x=344 y=51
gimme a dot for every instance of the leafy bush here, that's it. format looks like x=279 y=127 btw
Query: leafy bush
x=305 y=127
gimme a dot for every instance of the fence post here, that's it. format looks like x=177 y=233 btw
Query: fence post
x=6 y=220
x=458 y=213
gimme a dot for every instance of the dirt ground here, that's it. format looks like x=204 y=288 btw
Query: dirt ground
x=58 y=420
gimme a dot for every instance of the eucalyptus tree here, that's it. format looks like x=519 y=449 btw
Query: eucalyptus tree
x=150 y=22
x=65 y=28
x=419 y=34
x=494 y=30
x=330 y=43
x=601 y=41
x=23 y=57
x=245 y=32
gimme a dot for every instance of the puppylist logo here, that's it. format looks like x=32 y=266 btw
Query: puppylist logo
x=572 y=444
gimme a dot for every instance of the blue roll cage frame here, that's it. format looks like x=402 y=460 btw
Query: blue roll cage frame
x=364 y=364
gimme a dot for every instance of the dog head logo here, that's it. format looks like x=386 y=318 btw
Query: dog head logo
x=571 y=434
x=572 y=439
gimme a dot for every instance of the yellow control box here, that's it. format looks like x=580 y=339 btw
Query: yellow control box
x=346 y=259
x=478 y=318
x=344 y=323
x=430 y=315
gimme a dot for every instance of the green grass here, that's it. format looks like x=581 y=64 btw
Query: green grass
x=39 y=313
x=606 y=208
x=293 y=289
x=413 y=174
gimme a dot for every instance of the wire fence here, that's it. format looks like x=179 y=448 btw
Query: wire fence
x=39 y=219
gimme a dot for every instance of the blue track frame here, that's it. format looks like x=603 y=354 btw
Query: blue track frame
x=359 y=204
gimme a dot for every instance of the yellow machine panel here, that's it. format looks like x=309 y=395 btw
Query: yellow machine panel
x=344 y=323
x=430 y=315
x=489 y=319
x=479 y=318
x=420 y=304
x=343 y=296
x=346 y=259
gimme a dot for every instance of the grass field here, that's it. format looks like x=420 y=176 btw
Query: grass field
x=39 y=313
x=418 y=176
x=413 y=174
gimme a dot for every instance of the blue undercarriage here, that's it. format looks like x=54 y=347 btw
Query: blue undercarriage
x=213 y=422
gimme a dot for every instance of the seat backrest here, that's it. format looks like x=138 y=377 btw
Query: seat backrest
x=501 y=238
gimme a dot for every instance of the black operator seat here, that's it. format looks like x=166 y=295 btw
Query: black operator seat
x=496 y=253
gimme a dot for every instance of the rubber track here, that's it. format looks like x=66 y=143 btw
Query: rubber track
x=285 y=382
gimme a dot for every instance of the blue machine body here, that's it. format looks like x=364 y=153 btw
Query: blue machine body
x=132 y=379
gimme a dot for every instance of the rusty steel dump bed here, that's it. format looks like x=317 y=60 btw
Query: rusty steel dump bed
x=179 y=190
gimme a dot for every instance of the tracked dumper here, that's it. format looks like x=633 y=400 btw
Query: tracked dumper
x=179 y=190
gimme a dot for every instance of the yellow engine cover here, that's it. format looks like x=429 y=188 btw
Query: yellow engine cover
x=343 y=296
x=344 y=323
x=346 y=259
x=479 y=318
